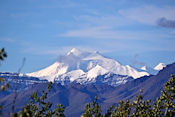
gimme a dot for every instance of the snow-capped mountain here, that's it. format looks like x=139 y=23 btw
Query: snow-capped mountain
x=23 y=81
x=149 y=70
x=143 y=68
x=154 y=70
x=160 y=66
x=84 y=67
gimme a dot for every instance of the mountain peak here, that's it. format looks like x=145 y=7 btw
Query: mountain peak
x=143 y=68
x=160 y=66
x=74 y=51
x=91 y=63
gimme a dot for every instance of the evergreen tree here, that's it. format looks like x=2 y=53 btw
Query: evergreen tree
x=60 y=111
x=157 y=108
x=92 y=110
x=3 y=54
x=122 y=109
x=109 y=112
x=141 y=108
x=165 y=105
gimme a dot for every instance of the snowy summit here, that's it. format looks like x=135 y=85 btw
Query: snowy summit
x=85 y=67
x=74 y=51
x=149 y=70
x=160 y=66
x=143 y=68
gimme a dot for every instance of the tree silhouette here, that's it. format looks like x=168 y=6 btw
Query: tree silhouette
x=3 y=55
x=92 y=109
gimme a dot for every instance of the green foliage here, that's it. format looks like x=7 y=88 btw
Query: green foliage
x=92 y=109
x=141 y=108
x=4 y=86
x=40 y=107
x=3 y=54
x=165 y=105
x=60 y=111
x=157 y=108
x=109 y=112
x=122 y=110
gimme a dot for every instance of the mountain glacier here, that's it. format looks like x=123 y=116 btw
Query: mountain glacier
x=85 y=67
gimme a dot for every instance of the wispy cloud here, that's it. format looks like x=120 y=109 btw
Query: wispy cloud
x=36 y=49
x=44 y=50
x=115 y=26
x=148 y=14
x=90 y=32
x=135 y=62
x=62 y=4
x=98 y=19
x=96 y=26
x=110 y=33
x=9 y=40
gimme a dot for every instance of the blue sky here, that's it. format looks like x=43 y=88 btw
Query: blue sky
x=137 y=32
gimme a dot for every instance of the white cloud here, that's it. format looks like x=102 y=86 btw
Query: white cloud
x=100 y=26
x=108 y=33
x=9 y=40
x=149 y=14
x=56 y=51
x=91 y=32
x=62 y=4
x=102 y=20
x=44 y=50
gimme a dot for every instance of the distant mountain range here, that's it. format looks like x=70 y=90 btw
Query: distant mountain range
x=84 y=68
x=154 y=70
x=79 y=76
x=74 y=96
x=19 y=81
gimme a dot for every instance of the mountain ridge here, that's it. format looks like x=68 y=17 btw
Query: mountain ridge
x=160 y=66
x=91 y=64
x=74 y=96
